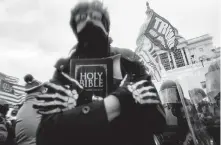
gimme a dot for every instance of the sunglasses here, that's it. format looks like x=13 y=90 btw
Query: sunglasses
x=97 y=16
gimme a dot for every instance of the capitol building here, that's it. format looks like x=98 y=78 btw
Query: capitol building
x=189 y=63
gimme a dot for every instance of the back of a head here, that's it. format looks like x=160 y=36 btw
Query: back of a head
x=168 y=84
x=199 y=91
x=214 y=66
x=4 y=107
x=169 y=92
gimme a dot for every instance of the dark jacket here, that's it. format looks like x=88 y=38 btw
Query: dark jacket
x=78 y=126
x=27 y=122
x=7 y=133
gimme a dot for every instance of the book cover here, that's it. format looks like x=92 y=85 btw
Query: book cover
x=95 y=75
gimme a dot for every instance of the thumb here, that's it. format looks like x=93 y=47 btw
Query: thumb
x=124 y=80
x=72 y=80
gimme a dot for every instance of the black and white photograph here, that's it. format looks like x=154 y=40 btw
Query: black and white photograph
x=110 y=72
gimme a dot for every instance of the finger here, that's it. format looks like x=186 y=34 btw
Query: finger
x=146 y=98
x=145 y=89
x=123 y=81
x=56 y=110
x=35 y=104
x=148 y=95
x=149 y=101
x=141 y=101
x=52 y=104
x=55 y=96
x=54 y=86
x=50 y=107
x=142 y=90
x=135 y=85
x=66 y=109
x=140 y=98
x=72 y=80
x=59 y=89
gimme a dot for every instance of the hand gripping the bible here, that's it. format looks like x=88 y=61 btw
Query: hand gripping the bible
x=143 y=91
x=55 y=98
x=62 y=98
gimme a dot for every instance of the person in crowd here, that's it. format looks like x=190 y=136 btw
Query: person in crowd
x=7 y=135
x=203 y=112
x=27 y=117
x=217 y=108
x=130 y=114
x=188 y=140
x=177 y=126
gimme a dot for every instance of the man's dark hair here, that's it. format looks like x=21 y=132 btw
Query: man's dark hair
x=4 y=107
x=84 y=6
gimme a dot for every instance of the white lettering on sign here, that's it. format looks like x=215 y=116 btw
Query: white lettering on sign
x=153 y=33
x=160 y=38
x=91 y=79
x=165 y=29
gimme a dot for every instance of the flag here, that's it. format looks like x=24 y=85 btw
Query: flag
x=156 y=35
x=10 y=90
x=9 y=79
x=152 y=68
x=161 y=32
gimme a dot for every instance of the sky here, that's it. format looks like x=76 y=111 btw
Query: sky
x=35 y=33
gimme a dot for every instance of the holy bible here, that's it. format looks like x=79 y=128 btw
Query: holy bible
x=95 y=75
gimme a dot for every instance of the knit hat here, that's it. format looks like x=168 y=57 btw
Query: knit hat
x=31 y=83
x=94 y=5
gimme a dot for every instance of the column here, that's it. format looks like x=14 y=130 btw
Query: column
x=174 y=62
x=183 y=55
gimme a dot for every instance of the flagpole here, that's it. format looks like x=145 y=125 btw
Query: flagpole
x=149 y=10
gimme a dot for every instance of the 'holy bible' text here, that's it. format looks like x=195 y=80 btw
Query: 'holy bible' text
x=91 y=79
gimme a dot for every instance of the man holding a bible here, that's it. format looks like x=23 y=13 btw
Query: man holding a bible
x=99 y=94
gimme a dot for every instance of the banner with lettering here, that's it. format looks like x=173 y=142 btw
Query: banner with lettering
x=161 y=32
